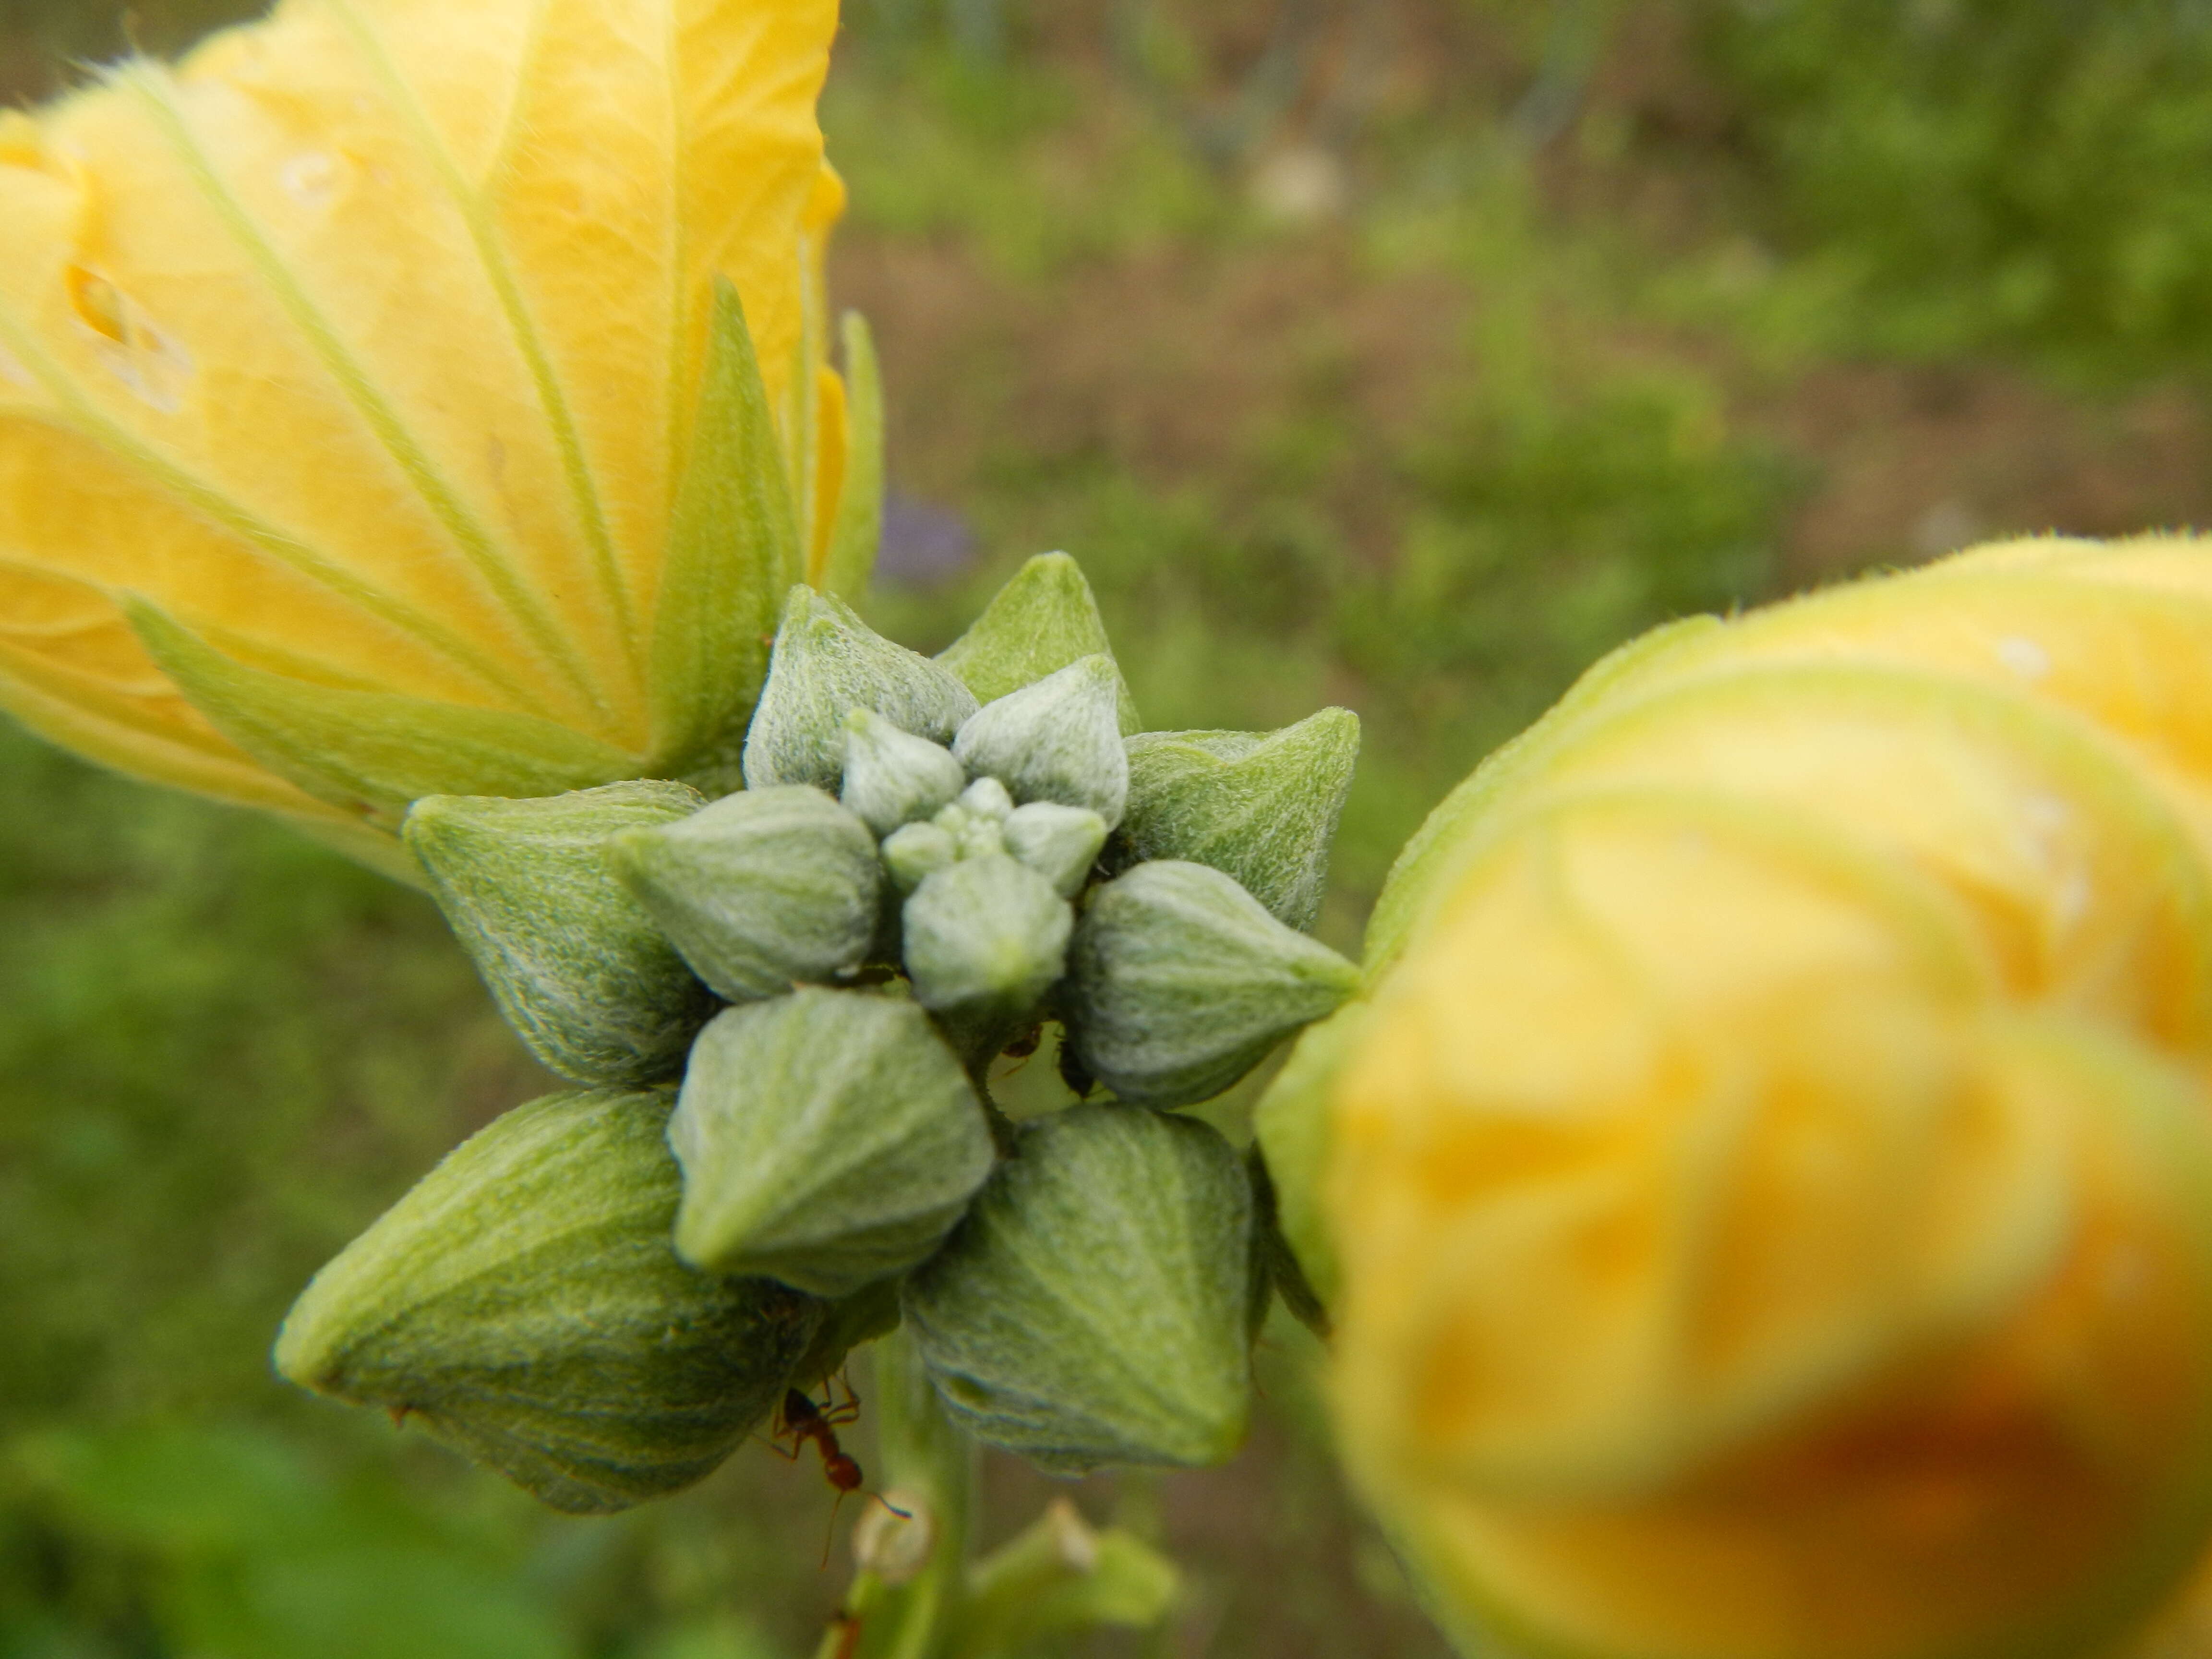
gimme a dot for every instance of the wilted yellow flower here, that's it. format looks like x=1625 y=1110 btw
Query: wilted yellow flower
x=369 y=424
x=1770 y=1186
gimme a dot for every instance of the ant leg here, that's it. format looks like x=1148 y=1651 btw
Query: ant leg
x=836 y=1411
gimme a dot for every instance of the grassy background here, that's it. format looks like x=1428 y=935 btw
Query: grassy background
x=1402 y=353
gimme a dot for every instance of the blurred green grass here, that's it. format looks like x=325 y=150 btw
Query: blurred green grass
x=1404 y=354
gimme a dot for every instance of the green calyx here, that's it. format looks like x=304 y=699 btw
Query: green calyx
x=577 y=967
x=1180 y=982
x=523 y=1303
x=760 y=891
x=1092 y=1307
x=826 y=1139
x=933 y=858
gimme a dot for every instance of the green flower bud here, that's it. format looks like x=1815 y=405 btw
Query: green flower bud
x=918 y=851
x=1262 y=807
x=828 y=1139
x=1091 y=1309
x=986 y=797
x=1060 y=843
x=579 y=970
x=1179 y=982
x=523 y=1302
x=827 y=663
x=975 y=835
x=985 y=939
x=1043 y=619
x=893 y=777
x=1057 y=740
x=761 y=890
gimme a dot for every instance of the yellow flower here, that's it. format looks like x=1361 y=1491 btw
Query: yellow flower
x=1770 y=1186
x=369 y=421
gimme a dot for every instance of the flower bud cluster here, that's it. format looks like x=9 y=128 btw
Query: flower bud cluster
x=802 y=986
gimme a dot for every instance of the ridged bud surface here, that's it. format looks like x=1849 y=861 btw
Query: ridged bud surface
x=579 y=969
x=1059 y=740
x=827 y=663
x=1060 y=843
x=893 y=777
x=985 y=938
x=1092 y=1307
x=763 y=889
x=1179 y=982
x=523 y=1304
x=1043 y=619
x=1261 y=806
x=826 y=1139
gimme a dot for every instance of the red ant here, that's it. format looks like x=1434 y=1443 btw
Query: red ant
x=798 y=1420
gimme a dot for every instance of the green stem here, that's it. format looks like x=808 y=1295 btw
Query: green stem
x=929 y=1466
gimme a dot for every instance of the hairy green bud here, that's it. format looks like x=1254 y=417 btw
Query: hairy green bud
x=579 y=970
x=1179 y=982
x=985 y=938
x=1092 y=1307
x=761 y=891
x=1043 y=619
x=1058 y=740
x=893 y=777
x=986 y=797
x=827 y=663
x=523 y=1303
x=1262 y=807
x=1060 y=843
x=828 y=1139
x=914 y=852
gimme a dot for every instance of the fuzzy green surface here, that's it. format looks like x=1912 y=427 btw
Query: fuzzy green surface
x=984 y=939
x=579 y=969
x=1179 y=982
x=525 y=1303
x=1092 y=1307
x=1058 y=740
x=826 y=663
x=1261 y=806
x=826 y=1139
x=1043 y=619
x=893 y=777
x=761 y=889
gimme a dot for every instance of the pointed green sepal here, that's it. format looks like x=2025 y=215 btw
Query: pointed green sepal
x=523 y=1304
x=1056 y=741
x=581 y=971
x=1060 y=843
x=893 y=777
x=1092 y=1307
x=761 y=891
x=857 y=532
x=984 y=939
x=828 y=1139
x=1043 y=619
x=827 y=663
x=733 y=552
x=1262 y=807
x=371 y=752
x=1179 y=982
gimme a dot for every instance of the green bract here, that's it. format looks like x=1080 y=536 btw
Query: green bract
x=1180 y=982
x=893 y=777
x=1091 y=1309
x=1043 y=619
x=761 y=890
x=524 y=1302
x=827 y=663
x=1260 y=808
x=985 y=939
x=826 y=1139
x=579 y=970
x=1058 y=740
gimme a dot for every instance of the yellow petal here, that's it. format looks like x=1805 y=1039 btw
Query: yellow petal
x=369 y=340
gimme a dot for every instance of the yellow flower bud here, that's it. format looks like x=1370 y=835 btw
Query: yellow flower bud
x=1770 y=1184
x=368 y=410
